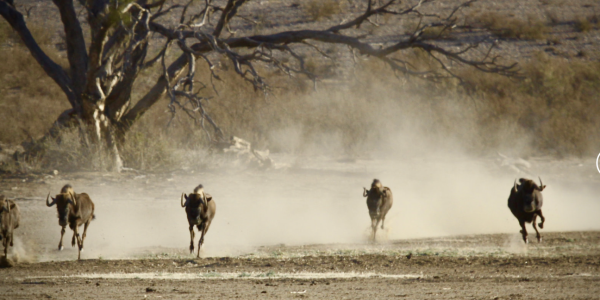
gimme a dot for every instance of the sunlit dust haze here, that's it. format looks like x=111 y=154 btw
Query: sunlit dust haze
x=313 y=195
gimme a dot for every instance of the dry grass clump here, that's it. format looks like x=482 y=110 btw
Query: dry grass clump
x=146 y=148
x=436 y=32
x=553 y=17
x=512 y=28
x=320 y=9
x=587 y=24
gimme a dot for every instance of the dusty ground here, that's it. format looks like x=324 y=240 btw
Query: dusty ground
x=274 y=244
x=565 y=266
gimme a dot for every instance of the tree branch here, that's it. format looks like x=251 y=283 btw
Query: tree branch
x=159 y=89
x=56 y=72
x=228 y=12
x=76 y=50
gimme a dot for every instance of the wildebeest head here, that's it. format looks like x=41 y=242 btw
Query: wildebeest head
x=530 y=192
x=376 y=189
x=63 y=202
x=196 y=199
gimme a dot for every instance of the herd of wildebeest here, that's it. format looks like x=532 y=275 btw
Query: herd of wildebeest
x=76 y=209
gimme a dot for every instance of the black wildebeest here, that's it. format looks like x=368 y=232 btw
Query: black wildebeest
x=379 y=202
x=75 y=210
x=9 y=221
x=200 y=210
x=525 y=202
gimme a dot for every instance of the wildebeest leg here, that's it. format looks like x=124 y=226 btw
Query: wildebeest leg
x=373 y=229
x=382 y=221
x=191 y=239
x=73 y=239
x=203 y=228
x=523 y=231
x=5 y=244
x=543 y=219
x=79 y=242
x=85 y=226
x=62 y=233
x=537 y=233
x=374 y=224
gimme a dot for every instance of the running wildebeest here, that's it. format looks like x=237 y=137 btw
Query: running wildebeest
x=379 y=202
x=525 y=202
x=200 y=210
x=9 y=221
x=75 y=210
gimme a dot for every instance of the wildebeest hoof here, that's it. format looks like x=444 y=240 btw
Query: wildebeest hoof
x=541 y=225
x=60 y=248
x=539 y=239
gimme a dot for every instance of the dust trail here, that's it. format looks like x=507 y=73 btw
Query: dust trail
x=318 y=204
x=514 y=244
x=440 y=189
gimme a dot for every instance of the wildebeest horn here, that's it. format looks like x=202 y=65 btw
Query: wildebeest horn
x=73 y=198
x=47 y=203
x=542 y=186
x=182 y=205
x=515 y=188
x=365 y=193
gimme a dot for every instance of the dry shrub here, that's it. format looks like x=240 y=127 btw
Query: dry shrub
x=64 y=153
x=319 y=9
x=512 y=28
x=553 y=17
x=320 y=67
x=436 y=32
x=148 y=148
x=583 y=25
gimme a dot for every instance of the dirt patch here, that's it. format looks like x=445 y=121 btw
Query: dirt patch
x=566 y=265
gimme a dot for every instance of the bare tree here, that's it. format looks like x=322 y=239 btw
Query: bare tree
x=99 y=83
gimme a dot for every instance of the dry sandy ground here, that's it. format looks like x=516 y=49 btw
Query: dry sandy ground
x=565 y=266
x=301 y=232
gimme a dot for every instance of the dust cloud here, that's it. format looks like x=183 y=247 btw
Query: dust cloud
x=314 y=196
